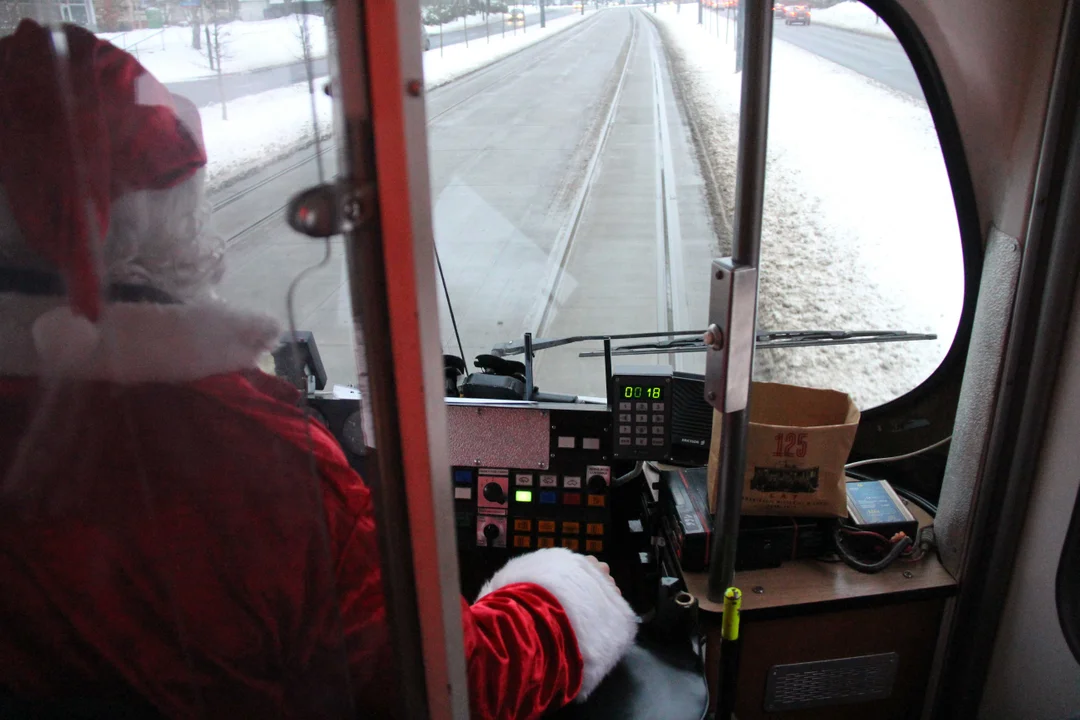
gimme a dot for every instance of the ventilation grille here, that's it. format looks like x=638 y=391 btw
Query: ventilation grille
x=830 y=682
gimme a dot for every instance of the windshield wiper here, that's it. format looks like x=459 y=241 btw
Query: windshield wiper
x=773 y=341
x=691 y=341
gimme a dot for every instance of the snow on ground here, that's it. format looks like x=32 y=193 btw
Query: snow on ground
x=859 y=228
x=168 y=55
x=853 y=16
x=267 y=126
x=442 y=66
x=261 y=128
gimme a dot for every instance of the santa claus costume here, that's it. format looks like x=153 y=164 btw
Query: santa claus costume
x=175 y=535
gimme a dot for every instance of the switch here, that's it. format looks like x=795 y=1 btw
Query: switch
x=491 y=532
x=545 y=542
x=493 y=492
x=522 y=541
x=571 y=543
x=546 y=526
x=572 y=498
x=594 y=546
x=597 y=484
x=547 y=497
x=571 y=528
x=594 y=528
x=596 y=500
x=522 y=525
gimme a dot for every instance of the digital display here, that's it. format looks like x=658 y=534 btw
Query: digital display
x=642 y=392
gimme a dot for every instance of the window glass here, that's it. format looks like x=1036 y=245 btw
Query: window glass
x=583 y=185
x=179 y=532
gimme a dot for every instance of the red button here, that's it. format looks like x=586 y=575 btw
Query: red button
x=571 y=498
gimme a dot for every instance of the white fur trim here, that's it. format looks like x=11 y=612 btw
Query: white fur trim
x=131 y=343
x=603 y=622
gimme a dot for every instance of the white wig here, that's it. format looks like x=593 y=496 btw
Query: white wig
x=158 y=238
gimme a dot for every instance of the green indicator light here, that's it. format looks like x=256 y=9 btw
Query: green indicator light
x=523 y=495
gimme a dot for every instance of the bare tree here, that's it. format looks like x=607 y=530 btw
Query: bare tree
x=217 y=48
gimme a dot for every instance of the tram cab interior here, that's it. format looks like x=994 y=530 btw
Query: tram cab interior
x=527 y=289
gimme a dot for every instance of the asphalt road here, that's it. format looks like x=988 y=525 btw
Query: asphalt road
x=566 y=199
x=878 y=58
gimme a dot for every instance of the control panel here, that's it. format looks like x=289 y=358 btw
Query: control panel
x=503 y=511
x=641 y=396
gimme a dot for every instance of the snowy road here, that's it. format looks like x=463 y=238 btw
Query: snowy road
x=566 y=199
x=878 y=58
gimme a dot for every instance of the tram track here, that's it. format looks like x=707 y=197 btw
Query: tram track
x=672 y=312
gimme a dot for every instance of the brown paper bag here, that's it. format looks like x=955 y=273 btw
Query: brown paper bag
x=798 y=442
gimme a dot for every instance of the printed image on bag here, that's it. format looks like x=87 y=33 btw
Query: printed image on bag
x=798 y=443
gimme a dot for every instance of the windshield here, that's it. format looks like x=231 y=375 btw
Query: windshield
x=583 y=185
x=582 y=164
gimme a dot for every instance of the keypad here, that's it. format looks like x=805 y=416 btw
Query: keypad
x=644 y=427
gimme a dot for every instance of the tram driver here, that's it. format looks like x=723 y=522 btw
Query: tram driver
x=175 y=535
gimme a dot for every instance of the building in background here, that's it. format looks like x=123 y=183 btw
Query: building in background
x=79 y=12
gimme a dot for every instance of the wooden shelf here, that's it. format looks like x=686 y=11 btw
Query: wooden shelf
x=801 y=584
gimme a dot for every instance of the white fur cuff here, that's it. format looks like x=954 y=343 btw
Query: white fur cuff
x=603 y=622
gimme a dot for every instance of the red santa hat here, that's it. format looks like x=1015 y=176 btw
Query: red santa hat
x=82 y=123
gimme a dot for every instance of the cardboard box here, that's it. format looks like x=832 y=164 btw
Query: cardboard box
x=798 y=443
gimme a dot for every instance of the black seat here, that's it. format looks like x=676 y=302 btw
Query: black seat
x=655 y=680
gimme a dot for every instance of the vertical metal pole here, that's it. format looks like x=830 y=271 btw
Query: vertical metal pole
x=700 y=12
x=607 y=374
x=543 y=24
x=746 y=251
x=487 y=21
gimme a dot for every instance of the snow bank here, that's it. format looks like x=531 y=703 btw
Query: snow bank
x=261 y=128
x=853 y=16
x=168 y=55
x=440 y=67
x=859 y=227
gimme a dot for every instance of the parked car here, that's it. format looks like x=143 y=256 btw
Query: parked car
x=778 y=10
x=797 y=15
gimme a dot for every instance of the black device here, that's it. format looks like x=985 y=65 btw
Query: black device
x=873 y=505
x=641 y=406
x=764 y=542
x=297 y=360
x=691 y=420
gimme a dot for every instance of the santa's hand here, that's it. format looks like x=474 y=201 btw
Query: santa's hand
x=604 y=568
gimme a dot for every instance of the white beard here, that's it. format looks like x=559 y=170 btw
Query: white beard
x=160 y=238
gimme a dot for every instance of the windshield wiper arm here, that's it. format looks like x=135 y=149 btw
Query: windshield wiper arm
x=518 y=347
x=773 y=340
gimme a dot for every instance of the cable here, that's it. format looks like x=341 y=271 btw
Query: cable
x=449 y=305
x=875 y=461
x=929 y=507
x=635 y=473
x=853 y=562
